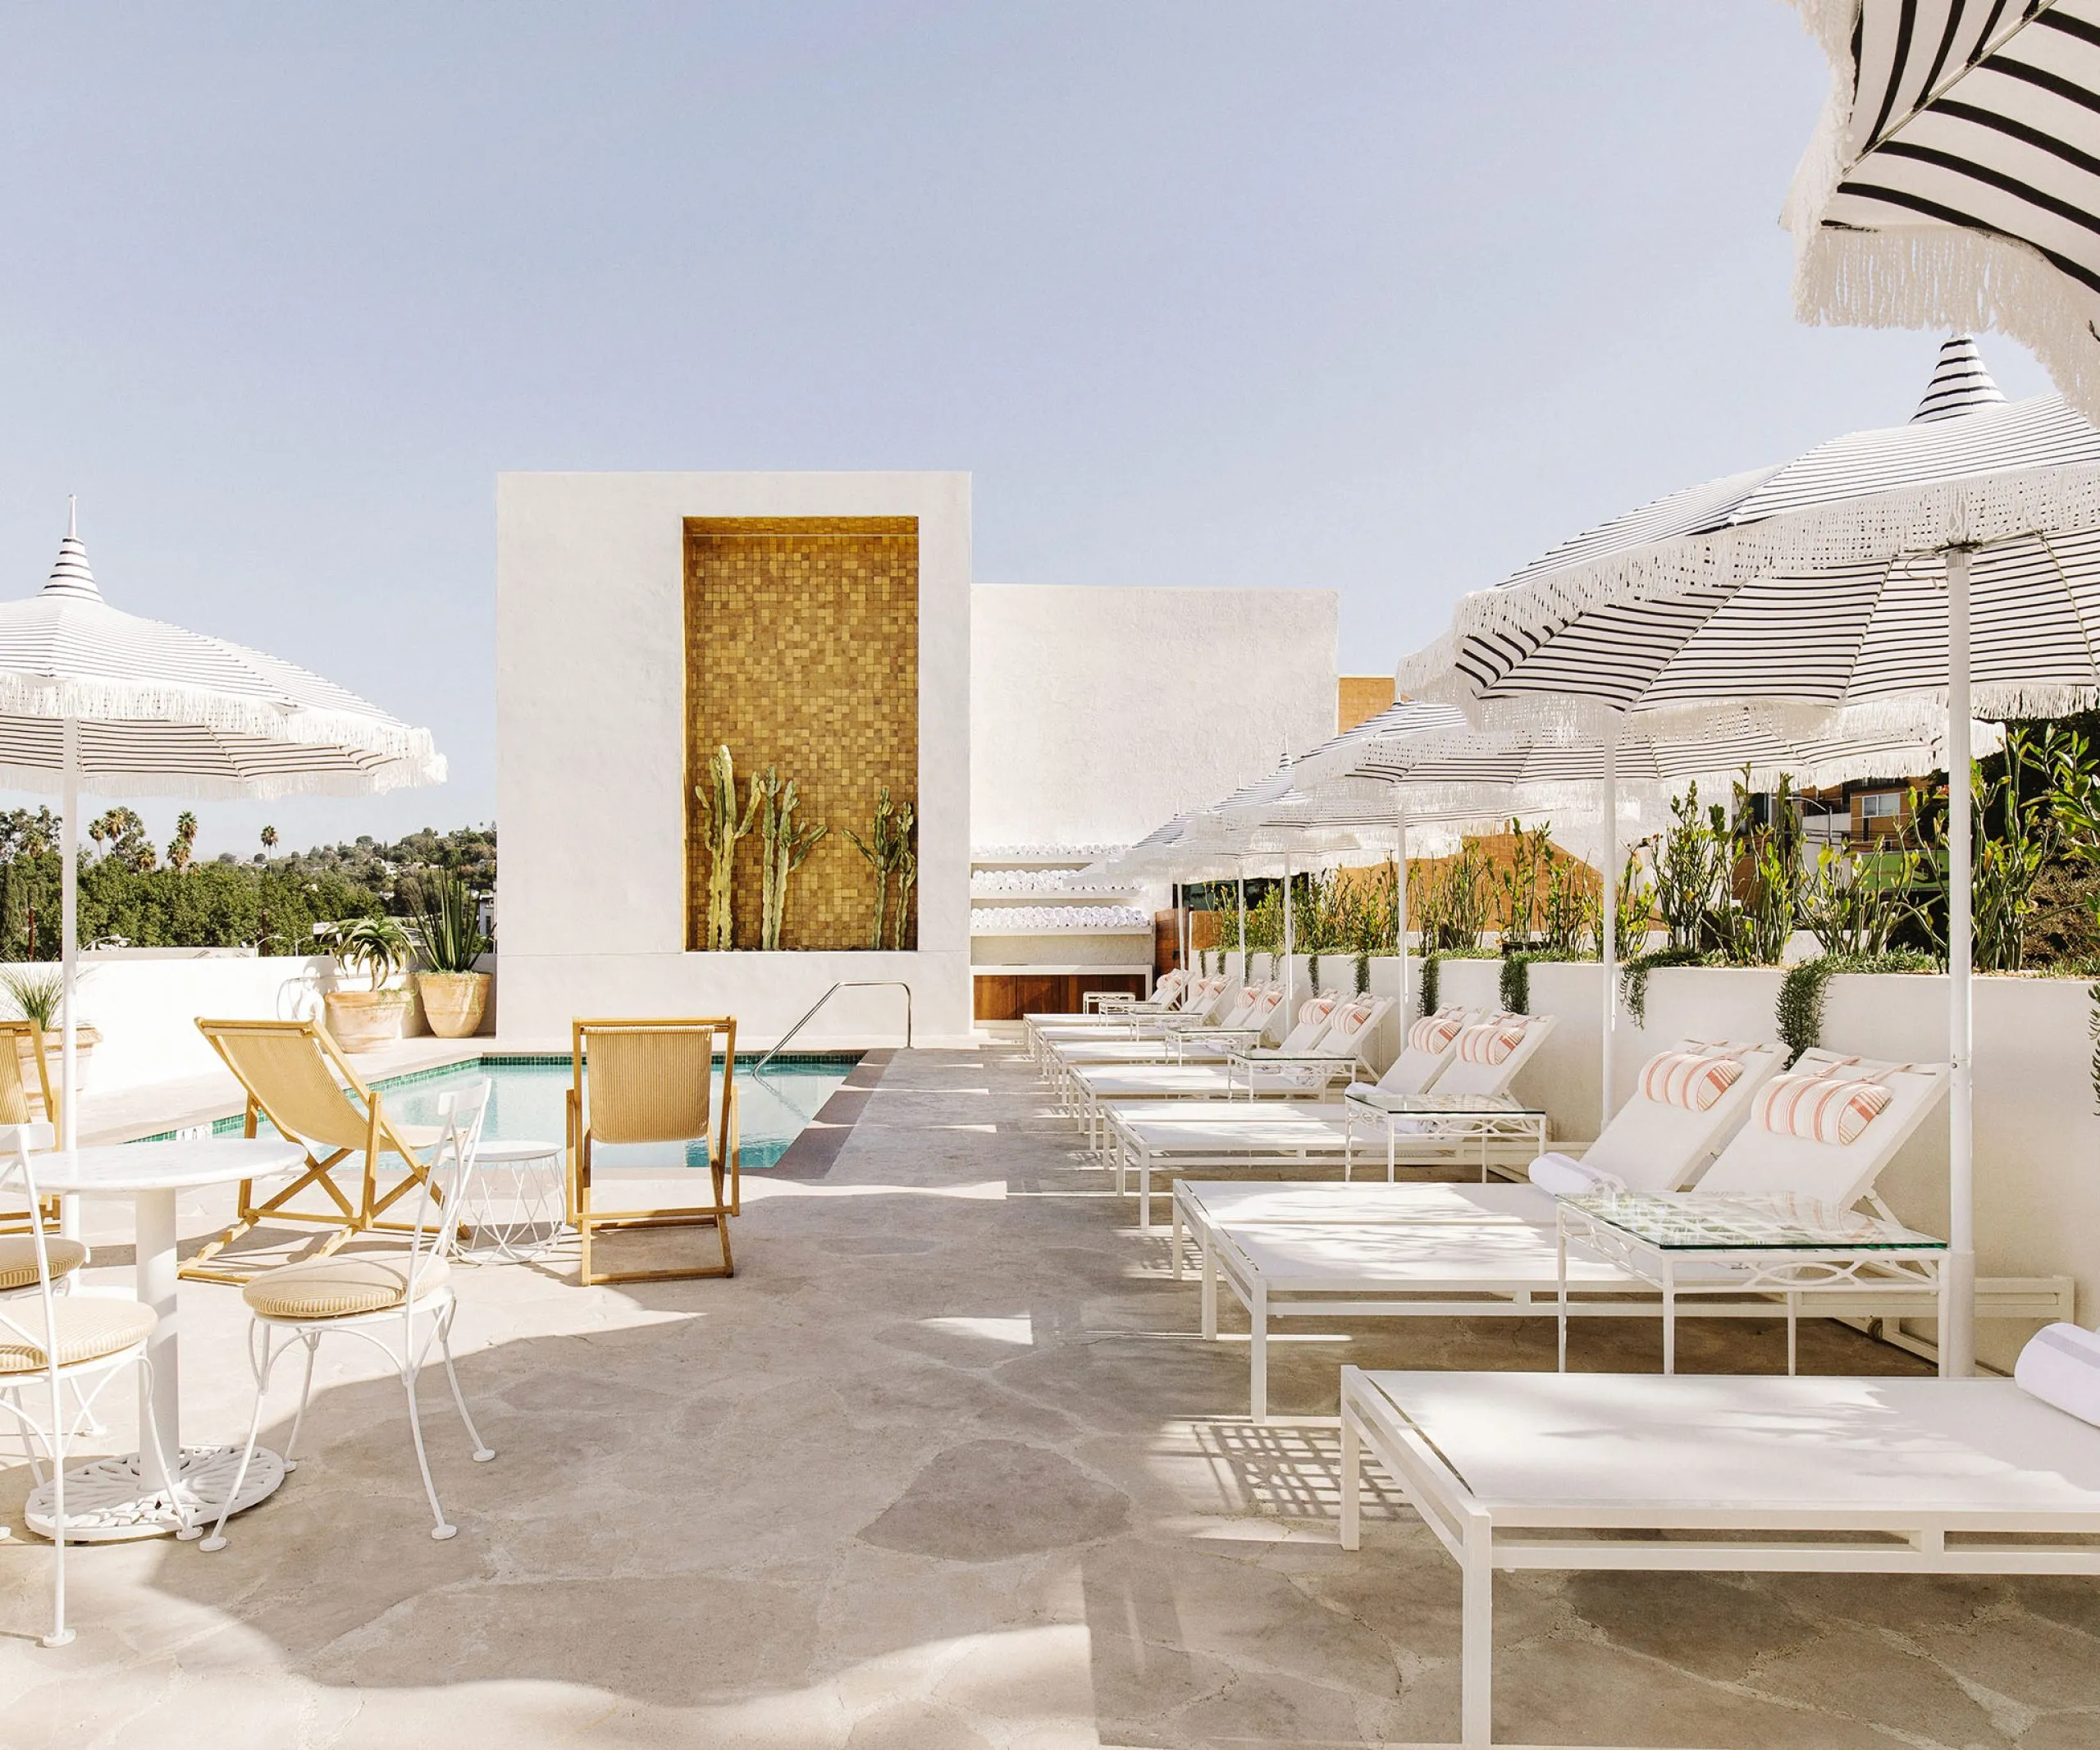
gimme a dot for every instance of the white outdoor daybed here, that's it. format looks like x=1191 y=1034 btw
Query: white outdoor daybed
x=1615 y=1471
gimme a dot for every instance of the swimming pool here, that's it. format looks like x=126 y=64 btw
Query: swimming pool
x=526 y=1094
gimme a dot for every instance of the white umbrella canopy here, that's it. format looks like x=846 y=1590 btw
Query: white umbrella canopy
x=1954 y=181
x=92 y=697
x=166 y=712
x=1946 y=565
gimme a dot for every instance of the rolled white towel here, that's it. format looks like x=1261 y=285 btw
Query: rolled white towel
x=1566 y=1176
x=2060 y=1365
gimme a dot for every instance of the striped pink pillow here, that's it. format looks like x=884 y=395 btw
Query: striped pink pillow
x=1686 y=1079
x=1820 y=1109
x=1432 y=1033
x=1353 y=1018
x=1490 y=1041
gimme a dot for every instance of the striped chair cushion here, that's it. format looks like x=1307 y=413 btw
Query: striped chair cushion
x=1490 y=1041
x=88 y=1330
x=1687 y=1079
x=1350 y=1021
x=1432 y=1033
x=1819 y=1108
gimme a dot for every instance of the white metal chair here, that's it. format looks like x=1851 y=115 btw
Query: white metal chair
x=401 y=1303
x=59 y=1340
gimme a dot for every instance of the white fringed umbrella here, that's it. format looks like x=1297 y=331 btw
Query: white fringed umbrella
x=94 y=698
x=1418 y=758
x=1954 y=181
x=1891 y=579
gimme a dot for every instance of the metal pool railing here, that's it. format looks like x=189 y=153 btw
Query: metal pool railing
x=868 y=984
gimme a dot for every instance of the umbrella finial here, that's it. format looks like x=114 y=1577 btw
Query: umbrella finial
x=1959 y=384
x=71 y=576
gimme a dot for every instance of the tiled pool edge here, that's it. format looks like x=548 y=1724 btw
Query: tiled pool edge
x=227 y=1123
x=815 y=1151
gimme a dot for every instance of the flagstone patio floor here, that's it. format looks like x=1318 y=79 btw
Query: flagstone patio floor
x=944 y=1466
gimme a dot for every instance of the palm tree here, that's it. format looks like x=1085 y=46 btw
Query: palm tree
x=186 y=838
x=269 y=838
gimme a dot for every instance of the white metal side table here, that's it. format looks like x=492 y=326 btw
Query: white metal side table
x=1439 y=1118
x=1690 y=1245
x=516 y=1204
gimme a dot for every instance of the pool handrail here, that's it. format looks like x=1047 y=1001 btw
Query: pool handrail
x=860 y=984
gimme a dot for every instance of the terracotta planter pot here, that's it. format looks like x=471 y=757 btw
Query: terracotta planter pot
x=365 y=1020
x=454 y=1002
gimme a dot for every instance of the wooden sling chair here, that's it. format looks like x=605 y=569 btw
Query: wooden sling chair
x=650 y=1081
x=18 y=1105
x=295 y=1075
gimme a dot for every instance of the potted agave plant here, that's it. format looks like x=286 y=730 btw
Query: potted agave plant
x=449 y=935
x=40 y=996
x=379 y=948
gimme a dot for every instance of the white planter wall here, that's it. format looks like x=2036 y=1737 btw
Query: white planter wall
x=147 y=1010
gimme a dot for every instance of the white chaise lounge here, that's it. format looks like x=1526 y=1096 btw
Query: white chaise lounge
x=1510 y=1267
x=1659 y=1140
x=1620 y=1472
x=1175 y=1138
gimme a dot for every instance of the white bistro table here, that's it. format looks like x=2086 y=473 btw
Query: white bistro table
x=145 y=1494
x=1691 y=1243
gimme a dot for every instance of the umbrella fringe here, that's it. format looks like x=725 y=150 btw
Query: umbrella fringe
x=265 y=719
x=1953 y=280
x=191 y=787
x=1860 y=531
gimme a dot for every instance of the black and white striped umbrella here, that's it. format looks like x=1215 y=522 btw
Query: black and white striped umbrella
x=1813 y=594
x=1954 y=181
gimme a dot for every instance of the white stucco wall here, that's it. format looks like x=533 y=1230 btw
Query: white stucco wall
x=1096 y=714
x=591 y=757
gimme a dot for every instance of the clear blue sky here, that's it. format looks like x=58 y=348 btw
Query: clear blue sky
x=1379 y=297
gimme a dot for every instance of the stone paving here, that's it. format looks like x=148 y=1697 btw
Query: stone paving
x=946 y=1466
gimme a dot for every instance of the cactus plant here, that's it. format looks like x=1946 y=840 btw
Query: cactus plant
x=786 y=846
x=904 y=859
x=888 y=850
x=720 y=831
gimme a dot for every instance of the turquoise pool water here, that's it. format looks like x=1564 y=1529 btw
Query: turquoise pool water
x=526 y=1105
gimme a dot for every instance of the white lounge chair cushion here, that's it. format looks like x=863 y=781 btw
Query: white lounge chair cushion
x=1432 y=1033
x=1566 y=1176
x=88 y=1330
x=1820 y=1109
x=1688 y=1079
x=2060 y=1365
x=1490 y=1041
x=340 y=1287
x=18 y=1260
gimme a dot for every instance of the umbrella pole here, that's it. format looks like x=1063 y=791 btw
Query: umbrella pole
x=1607 y=924
x=1290 y=946
x=1241 y=883
x=1957 y=1357
x=1400 y=901
x=69 y=901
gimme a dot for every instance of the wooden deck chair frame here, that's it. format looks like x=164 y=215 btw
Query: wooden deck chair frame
x=330 y=1131
x=15 y=1107
x=725 y=1168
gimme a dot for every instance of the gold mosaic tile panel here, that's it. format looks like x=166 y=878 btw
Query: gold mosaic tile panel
x=803 y=653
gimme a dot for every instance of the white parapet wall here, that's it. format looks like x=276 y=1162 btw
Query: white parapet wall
x=147 y=1010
